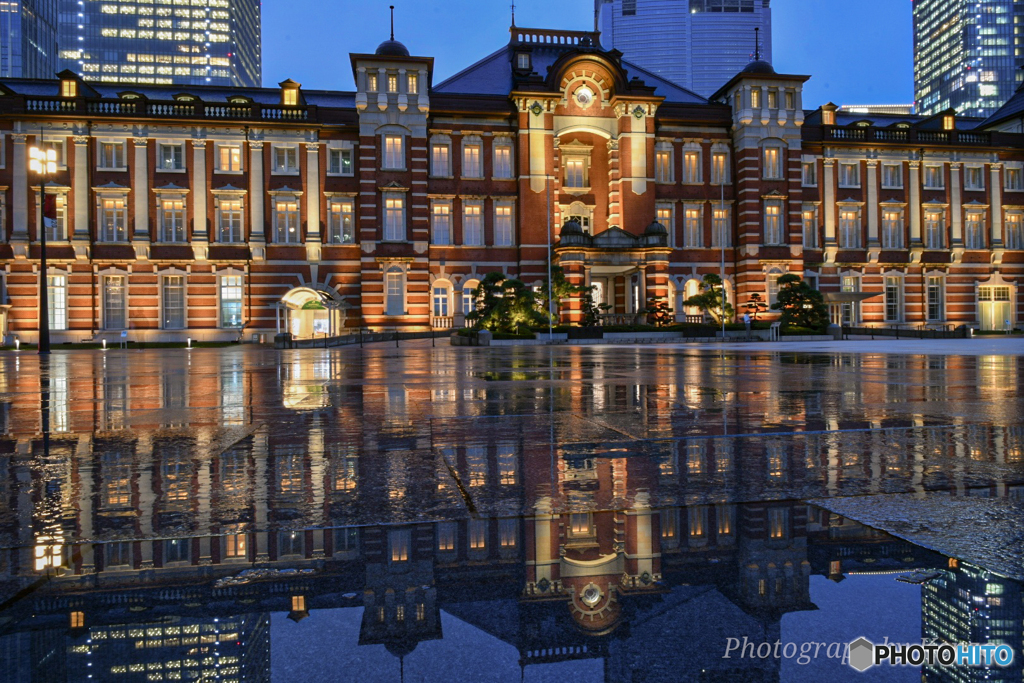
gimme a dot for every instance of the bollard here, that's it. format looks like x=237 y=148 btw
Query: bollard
x=188 y=343
x=396 y=337
x=17 y=344
x=104 y=344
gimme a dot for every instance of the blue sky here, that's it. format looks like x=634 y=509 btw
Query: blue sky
x=857 y=51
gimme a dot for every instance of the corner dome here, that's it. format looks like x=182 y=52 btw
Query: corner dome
x=571 y=227
x=759 y=66
x=655 y=228
x=392 y=48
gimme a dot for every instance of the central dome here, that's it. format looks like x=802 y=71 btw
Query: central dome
x=392 y=48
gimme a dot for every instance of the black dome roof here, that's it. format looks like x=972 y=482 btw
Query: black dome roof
x=759 y=66
x=656 y=228
x=392 y=48
x=571 y=227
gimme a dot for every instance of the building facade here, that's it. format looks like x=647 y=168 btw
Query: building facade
x=215 y=213
x=698 y=44
x=28 y=39
x=966 y=54
x=163 y=42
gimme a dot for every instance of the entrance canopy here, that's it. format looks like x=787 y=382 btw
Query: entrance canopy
x=310 y=313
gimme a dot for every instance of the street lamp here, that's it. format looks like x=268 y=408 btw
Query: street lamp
x=43 y=162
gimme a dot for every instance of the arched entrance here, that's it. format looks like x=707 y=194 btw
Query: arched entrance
x=308 y=313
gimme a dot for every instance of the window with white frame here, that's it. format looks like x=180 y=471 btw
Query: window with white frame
x=371 y=82
x=229 y=158
x=469 y=296
x=974 y=230
x=114 y=299
x=893 y=299
x=936 y=298
x=576 y=168
x=56 y=205
x=849 y=228
x=286 y=159
x=441 y=300
x=412 y=84
x=772 y=163
x=394 y=283
x=230 y=301
x=392 y=83
x=934 y=229
x=892 y=229
x=60 y=147
x=809 y=174
x=810 y=225
x=394 y=152
x=441 y=223
x=974 y=178
x=849 y=175
x=773 y=222
x=720 y=228
x=933 y=177
x=340 y=161
x=172 y=301
x=229 y=220
x=57 y=300
x=472 y=157
x=472 y=223
x=503 y=226
x=110 y=156
x=394 y=217
x=170 y=156
x=755 y=98
x=663 y=163
x=693 y=227
x=850 y=312
x=719 y=168
x=503 y=158
x=171 y=216
x=892 y=176
x=692 y=166
x=440 y=158
x=341 y=220
x=286 y=220
x=772 y=284
x=112 y=219
x=664 y=214
x=1014 y=178
x=1014 y=230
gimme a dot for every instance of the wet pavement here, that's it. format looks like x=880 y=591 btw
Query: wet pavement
x=571 y=513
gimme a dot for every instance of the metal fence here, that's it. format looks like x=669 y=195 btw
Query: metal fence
x=908 y=332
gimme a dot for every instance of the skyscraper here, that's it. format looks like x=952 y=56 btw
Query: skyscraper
x=965 y=56
x=698 y=44
x=186 y=42
x=28 y=38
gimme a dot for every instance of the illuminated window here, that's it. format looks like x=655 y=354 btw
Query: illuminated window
x=934 y=229
x=478 y=534
x=936 y=298
x=669 y=524
x=893 y=299
x=974 y=230
x=720 y=229
x=394 y=217
x=69 y=88
x=172 y=220
x=576 y=173
x=235 y=546
x=57 y=299
x=773 y=222
x=810 y=225
x=472 y=224
x=892 y=229
x=298 y=603
x=394 y=154
x=392 y=83
x=778 y=523
x=948 y=122
x=476 y=463
x=441 y=301
x=114 y=299
x=371 y=82
x=172 y=301
x=229 y=158
x=286 y=159
x=229 y=221
x=508 y=466
x=755 y=98
x=440 y=159
x=111 y=156
x=772 y=163
x=421 y=612
x=502 y=159
x=773 y=285
x=78 y=620
x=472 y=161
x=446 y=536
x=341 y=220
x=286 y=221
x=849 y=228
x=290 y=97
x=398 y=544
x=693 y=228
x=503 y=224
x=725 y=515
x=230 y=301
x=1014 y=228
x=441 y=223
x=413 y=84
x=663 y=166
x=697 y=519
x=828 y=118
x=580 y=524
x=508 y=531
x=339 y=162
x=849 y=175
x=719 y=168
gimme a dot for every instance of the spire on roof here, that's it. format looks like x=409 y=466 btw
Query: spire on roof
x=392 y=22
x=757 y=44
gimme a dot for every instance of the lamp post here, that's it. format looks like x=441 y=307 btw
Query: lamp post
x=43 y=162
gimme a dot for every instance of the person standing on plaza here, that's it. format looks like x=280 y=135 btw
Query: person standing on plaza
x=746 y=324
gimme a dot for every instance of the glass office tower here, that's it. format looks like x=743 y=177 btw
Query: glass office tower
x=967 y=54
x=186 y=42
x=698 y=44
x=28 y=38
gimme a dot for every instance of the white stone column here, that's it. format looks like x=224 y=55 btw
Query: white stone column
x=140 y=185
x=313 y=193
x=81 y=188
x=256 y=193
x=83 y=453
x=200 y=186
x=204 y=494
x=872 y=203
x=828 y=185
x=997 y=205
x=915 y=203
x=956 y=205
x=19 y=187
x=147 y=499
x=542 y=529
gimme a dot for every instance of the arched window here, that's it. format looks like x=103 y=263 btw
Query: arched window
x=773 y=284
x=581 y=213
x=469 y=296
x=441 y=295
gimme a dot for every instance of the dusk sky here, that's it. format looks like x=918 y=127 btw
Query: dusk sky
x=857 y=51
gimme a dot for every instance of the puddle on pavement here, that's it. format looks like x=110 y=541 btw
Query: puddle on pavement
x=636 y=516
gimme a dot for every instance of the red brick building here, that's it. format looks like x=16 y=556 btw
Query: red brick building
x=212 y=213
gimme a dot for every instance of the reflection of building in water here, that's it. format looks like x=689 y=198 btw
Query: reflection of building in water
x=967 y=604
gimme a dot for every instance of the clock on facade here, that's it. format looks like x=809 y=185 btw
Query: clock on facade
x=584 y=96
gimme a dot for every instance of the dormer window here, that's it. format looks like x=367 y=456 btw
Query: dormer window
x=290 y=98
x=828 y=118
x=523 y=61
x=948 y=122
x=69 y=88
